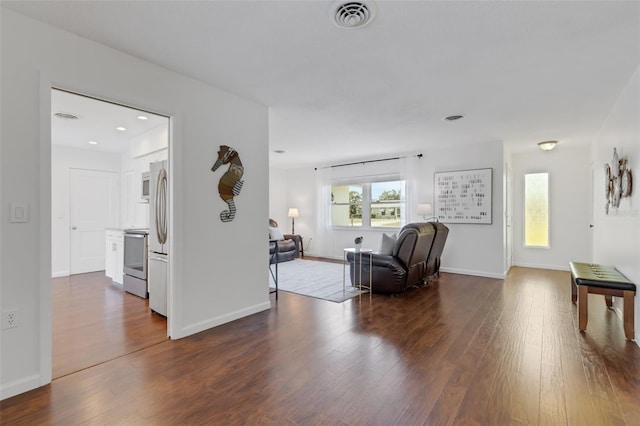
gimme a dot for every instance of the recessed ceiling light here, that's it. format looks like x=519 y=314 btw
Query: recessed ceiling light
x=122 y=129
x=280 y=151
x=143 y=117
x=93 y=142
x=453 y=117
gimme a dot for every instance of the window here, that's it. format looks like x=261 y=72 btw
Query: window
x=387 y=204
x=536 y=210
x=374 y=204
x=346 y=205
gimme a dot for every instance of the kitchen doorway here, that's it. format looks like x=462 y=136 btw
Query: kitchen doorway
x=99 y=153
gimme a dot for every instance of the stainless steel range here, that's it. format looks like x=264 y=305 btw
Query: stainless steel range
x=135 y=262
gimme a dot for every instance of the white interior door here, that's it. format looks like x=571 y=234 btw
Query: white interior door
x=94 y=205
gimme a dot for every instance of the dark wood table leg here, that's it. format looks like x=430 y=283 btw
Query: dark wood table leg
x=583 y=307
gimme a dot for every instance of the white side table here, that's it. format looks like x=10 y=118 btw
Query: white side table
x=353 y=280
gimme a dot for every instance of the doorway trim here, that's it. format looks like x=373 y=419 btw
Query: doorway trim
x=47 y=83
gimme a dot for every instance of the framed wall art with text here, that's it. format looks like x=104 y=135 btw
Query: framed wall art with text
x=463 y=196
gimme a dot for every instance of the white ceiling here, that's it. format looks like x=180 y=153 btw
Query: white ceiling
x=97 y=122
x=520 y=72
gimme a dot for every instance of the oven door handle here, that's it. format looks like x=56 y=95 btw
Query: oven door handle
x=134 y=236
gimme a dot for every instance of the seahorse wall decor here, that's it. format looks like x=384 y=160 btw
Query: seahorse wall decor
x=230 y=182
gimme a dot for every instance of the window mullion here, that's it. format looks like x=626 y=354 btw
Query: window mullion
x=366 y=205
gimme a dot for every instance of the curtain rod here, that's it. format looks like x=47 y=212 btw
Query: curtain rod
x=368 y=161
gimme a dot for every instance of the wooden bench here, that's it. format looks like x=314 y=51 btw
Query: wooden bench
x=606 y=280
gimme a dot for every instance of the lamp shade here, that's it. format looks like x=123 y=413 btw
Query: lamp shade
x=547 y=145
x=293 y=213
x=425 y=210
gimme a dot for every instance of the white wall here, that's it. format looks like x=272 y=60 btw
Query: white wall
x=278 y=202
x=617 y=235
x=215 y=276
x=63 y=159
x=470 y=249
x=152 y=140
x=569 y=206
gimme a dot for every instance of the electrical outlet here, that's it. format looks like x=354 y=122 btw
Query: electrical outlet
x=10 y=319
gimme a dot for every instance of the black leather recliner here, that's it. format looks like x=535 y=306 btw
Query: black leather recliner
x=288 y=248
x=405 y=267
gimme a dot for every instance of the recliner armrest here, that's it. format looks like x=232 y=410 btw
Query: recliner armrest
x=380 y=260
x=297 y=239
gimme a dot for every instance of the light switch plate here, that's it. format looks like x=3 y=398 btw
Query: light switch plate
x=19 y=213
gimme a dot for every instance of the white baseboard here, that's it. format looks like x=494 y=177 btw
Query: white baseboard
x=58 y=274
x=223 y=319
x=470 y=272
x=20 y=386
x=540 y=266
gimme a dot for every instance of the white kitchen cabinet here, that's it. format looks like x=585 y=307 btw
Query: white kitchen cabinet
x=114 y=255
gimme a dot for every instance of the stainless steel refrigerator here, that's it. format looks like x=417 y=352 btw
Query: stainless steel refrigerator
x=158 y=258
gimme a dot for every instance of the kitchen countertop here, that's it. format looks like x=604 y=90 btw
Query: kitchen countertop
x=137 y=231
x=131 y=230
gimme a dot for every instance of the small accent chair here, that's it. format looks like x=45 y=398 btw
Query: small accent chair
x=288 y=244
x=405 y=267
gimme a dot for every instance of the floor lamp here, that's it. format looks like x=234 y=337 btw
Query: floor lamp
x=293 y=213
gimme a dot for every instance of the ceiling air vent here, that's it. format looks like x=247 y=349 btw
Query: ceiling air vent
x=352 y=14
x=66 y=116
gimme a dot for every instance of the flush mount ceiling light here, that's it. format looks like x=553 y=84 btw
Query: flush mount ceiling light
x=547 y=145
x=120 y=128
x=454 y=117
x=352 y=14
x=143 y=117
x=66 y=116
x=93 y=143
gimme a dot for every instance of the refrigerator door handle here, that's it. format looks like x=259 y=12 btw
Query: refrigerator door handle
x=161 y=207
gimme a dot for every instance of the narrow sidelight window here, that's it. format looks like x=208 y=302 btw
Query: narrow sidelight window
x=536 y=210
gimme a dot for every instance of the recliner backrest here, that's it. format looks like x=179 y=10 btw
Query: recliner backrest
x=414 y=243
x=433 y=261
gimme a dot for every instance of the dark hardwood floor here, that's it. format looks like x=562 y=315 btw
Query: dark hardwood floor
x=463 y=351
x=94 y=321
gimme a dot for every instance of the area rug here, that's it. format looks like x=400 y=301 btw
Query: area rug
x=322 y=280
